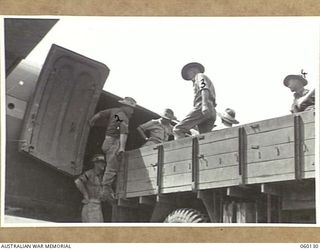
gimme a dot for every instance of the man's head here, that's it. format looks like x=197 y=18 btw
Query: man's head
x=295 y=83
x=99 y=163
x=167 y=116
x=228 y=117
x=128 y=105
x=190 y=70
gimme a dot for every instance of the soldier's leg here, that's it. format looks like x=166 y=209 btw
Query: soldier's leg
x=207 y=122
x=189 y=122
x=85 y=213
x=92 y=212
x=110 y=147
x=149 y=143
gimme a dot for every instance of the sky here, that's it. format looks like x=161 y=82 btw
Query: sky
x=246 y=58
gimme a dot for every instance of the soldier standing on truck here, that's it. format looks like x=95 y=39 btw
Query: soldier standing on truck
x=158 y=129
x=117 y=128
x=90 y=185
x=304 y=99
x=203 y=113
x=228 y=119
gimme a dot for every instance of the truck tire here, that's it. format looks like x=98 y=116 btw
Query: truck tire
x=186 y=215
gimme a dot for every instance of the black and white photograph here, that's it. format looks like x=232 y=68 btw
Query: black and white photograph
x=159 y=121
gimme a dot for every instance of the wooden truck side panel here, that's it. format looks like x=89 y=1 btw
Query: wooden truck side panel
x=270 y=151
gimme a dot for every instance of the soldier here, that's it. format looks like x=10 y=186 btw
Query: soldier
x=90 y=185
x=158 y=129
x=227 y=119
x=117 y=123
x=303 y=98
x=203 y=114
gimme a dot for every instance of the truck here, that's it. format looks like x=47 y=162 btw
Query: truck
x=262 y=172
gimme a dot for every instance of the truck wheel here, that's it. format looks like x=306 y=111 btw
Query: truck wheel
x=186 y=215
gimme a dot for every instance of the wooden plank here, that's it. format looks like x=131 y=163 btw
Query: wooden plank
x=141 y=193
x=218 y=161
x=177 y=168
x=307 y=116
x=309 y=131
x=147 y=184
x=271 y=178
x=269 y=153
x=142 y=162
x=143 y=151
x=177 y=144
x=221 y=160
x=218 y=184
x=308 y=174
x=279 y=136
x=308 y=147
x=269 y=125
x=177 y=155
x=142 y=173
x=219 y=147
x=177 y=180
x=219 y=135
x=176 y=189
x=270 y=168
x=309 y=163
x=219 y=174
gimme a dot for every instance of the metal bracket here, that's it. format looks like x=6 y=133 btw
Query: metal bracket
x=255 y=127
x=278 y=151
x=201 y=157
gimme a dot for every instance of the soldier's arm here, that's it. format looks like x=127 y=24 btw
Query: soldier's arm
x=103 y=113
x=94 y=118
x=82 y=188
x=124 y=130
x=205 y=101
x=145 y=127
x=123 y=142
x=141 y=133
x=203 y=86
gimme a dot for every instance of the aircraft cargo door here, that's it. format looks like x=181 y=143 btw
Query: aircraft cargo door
x=56 y=125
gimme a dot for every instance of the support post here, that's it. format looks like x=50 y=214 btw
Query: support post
x=242 y=148
x=195 y=164
x=298 y=147
x=160 y=168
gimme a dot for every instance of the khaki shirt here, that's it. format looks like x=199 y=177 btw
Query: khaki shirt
x=93 y=184
x=116 y=121
x=202 y=82
x=158 y=131
x=309 y=103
